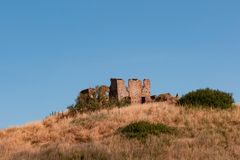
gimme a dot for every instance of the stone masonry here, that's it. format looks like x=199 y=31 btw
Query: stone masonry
x=118 y=89
x=88 y=93
x=136 y=91
x=146 y=91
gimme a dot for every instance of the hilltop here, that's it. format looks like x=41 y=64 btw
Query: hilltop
x=202 y=134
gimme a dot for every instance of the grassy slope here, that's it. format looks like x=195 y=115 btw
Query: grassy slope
x=204 y=134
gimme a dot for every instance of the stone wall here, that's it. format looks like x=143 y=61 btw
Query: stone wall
x=118 y=89
x=137 y=92
x=90 y=92
x=146 y=91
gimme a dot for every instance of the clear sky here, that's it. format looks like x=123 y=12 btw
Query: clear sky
x=51 y=49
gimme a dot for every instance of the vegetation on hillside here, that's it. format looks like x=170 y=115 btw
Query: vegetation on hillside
x=142 y=129
x=202 y=134
x=98 y=100
x=207 y=98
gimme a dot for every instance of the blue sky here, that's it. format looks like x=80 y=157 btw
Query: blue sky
x=50 y=50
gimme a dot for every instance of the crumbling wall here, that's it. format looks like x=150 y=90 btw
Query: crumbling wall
x=103 y=90
x=146 y=91
x=118 y=89
x=135 y=90
x=90 y=92
x=167 y=97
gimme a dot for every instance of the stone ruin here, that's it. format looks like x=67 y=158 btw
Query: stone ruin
x=90 y=92
x=136 y=91
x=166 y=97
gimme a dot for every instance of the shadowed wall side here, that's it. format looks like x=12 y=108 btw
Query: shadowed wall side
x=118 y=89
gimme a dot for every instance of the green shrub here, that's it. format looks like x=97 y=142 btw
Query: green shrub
x=97 y=101
x=87 y=104
x=207 y=98
x=122 y=103
x=74 y=152
x=142 y=129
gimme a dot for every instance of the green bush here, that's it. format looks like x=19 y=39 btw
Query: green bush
x=116 y=103
x=207 y=98
x=97 y=101
x=142 y=129
x=87 y=104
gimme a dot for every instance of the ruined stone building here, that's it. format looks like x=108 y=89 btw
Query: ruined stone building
x=88 y=92
x=137 y=91
x=92 y=92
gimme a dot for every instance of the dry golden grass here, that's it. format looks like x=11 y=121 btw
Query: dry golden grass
x=203 y=134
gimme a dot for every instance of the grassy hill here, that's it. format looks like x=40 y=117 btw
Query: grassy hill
x=201 y=134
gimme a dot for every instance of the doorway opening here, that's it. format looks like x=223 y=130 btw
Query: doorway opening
x=143 y=100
